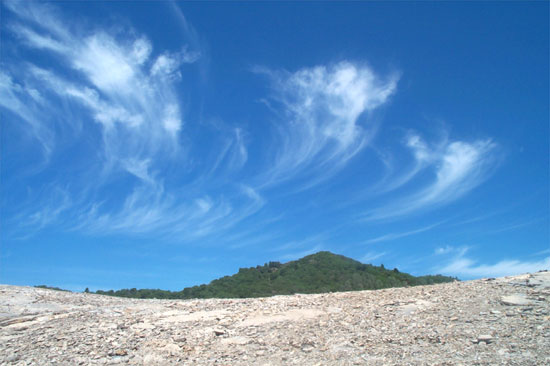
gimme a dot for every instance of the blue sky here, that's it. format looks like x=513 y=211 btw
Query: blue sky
x=163 y=145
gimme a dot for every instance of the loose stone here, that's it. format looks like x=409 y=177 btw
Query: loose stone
x=456 y=323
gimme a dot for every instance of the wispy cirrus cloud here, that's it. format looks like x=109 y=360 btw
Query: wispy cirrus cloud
x=149 y=208
x=456 y=168
x=457 y=263
x=50 y=211
x=25 y=102
x=323 y=117
x=168 y=64
x=444 y=250
x=317 y=239
x=300 y=254
x=372 y=256
x=114 y=102
x=126 y=93
x=520 y=224
x=393 y=236
x=123 y=94
x=469 y=268
x=232 y=154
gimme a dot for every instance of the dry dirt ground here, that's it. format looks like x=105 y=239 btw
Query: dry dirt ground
x=504 y=321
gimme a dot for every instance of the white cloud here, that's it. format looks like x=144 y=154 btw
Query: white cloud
x=252 y=194
x=106 y=63
x=42 y=15
x=463 y=267
x=319 y=239
x=461 y=168
x=59 y=201
x=164 y=64
x=171 y=120
x=300 y=254
x=233 y=153
x=122 y=97
x=139 y=168
x=129 y=90
x=322 y=125
x=204 y=204
x=168 y=63
x=151 y=208
x=241 y=153
x=469 y=268
x=189 y=57
x=443 y=250
x=141 y=50
x=39 y=40
x=189 y=32
x=457 y=168
x=393 y=236
x=519 y=225
x=419 y=147
x=13 y=98
x=114 y=79
x=372 y=256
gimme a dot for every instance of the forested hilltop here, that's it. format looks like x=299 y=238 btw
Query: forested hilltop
x=316 y=273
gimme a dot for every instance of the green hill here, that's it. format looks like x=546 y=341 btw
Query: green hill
x=316 y=273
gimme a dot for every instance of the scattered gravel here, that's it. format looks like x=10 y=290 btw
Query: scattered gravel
x=503 y=321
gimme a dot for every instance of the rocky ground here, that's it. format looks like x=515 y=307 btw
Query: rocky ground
x=503 y=321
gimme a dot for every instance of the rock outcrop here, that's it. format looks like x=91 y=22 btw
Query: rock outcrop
x=503 y=321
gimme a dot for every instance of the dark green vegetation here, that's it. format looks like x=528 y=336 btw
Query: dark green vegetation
x=51 y=288
x=316 y=273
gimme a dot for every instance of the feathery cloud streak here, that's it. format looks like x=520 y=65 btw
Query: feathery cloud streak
x=119 y=95
x=131 y=93
x=456 y=168
x=460 y=265
x=393 y=236
x=324 y=117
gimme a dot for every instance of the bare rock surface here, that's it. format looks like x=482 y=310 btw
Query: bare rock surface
x=504 y=321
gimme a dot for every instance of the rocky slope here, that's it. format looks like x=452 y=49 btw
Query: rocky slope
x=502 y=321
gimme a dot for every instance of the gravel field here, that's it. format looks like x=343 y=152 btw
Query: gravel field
x=504 y=321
